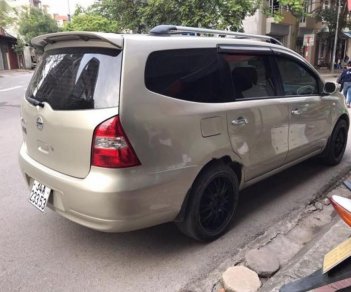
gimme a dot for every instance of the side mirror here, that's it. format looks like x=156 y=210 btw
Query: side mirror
x=329 y=87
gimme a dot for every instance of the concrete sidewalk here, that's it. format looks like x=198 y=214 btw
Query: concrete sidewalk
x=311 y=258
x=327 y=74
x=289 y=251
x=298 y=245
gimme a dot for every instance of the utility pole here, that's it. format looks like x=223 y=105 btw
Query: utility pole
x=69 y=12
x=335 y=39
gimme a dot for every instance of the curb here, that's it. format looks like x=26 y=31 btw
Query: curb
x=213 y=283
x=311 y=259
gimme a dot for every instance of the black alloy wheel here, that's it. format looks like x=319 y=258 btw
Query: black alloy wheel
x=216 y=204
x=340 y=142
x=211 y=204
x=335 y=149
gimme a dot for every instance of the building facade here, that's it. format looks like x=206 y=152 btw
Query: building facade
x=307 y=36
x=8 y=56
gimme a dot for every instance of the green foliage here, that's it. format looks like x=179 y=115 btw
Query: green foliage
x=90 y=19
x=329 y=16
x=219 y=14
x=5 y=14
x=79 y=10
x=139 y=15
x=127 y=13
x=90 y=22
x=19 y=45
x=33 y=22
x=295 y=7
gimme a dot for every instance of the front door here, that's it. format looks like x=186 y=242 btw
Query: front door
x=309 y=112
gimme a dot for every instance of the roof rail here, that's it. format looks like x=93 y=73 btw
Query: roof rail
x=165 y=29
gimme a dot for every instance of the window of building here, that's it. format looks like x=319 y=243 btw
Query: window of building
x=326 y=4
x=273 y=6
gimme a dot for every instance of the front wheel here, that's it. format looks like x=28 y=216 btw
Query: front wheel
x=212 y=203
x=336 y=145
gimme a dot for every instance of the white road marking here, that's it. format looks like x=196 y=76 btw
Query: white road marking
x=10 y=88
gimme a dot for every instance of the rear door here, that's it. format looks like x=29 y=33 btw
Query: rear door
x=257 y=119
x=74 y=89
x=309 y=112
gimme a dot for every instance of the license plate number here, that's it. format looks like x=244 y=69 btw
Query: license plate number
x=39 y=195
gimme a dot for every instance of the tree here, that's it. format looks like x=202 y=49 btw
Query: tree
x=140 y=15
x=90 y=20
x=218 y=14
x=5 y=14
x=295 y=7
x=127 y=13
x=329 y=16
x=33 y=22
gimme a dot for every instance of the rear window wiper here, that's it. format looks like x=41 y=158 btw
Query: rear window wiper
x=34 y=101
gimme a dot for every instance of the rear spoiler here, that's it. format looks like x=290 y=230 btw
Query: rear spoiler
x=40 y=42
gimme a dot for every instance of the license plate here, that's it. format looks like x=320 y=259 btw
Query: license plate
x=39 y=195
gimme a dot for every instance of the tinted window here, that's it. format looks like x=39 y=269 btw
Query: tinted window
x=296 y=79
x=73 y=79
x=251 y=75
x=193 y=74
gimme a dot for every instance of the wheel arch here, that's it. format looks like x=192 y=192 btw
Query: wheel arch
x=226 y=160
x=344 y=117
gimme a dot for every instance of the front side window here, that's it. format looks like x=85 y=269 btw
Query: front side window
x=296 y=79
x=77 y=78
x=251 y=76
x=189 y=74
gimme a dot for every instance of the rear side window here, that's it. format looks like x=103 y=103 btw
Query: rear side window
x=77 y=78
x=196 y=75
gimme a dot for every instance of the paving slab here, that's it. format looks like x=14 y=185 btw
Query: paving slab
x=311 y=259
x=263 y=262
x=240 y=279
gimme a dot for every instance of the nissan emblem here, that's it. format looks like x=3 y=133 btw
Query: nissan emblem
x=40 y=123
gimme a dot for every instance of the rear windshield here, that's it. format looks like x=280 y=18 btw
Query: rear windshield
x=76 y=78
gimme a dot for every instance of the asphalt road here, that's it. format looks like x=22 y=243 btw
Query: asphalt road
x=45 y=252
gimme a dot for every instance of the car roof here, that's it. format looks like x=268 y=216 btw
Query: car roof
x=62 y=39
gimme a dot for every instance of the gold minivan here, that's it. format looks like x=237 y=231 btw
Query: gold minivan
x=123 y=131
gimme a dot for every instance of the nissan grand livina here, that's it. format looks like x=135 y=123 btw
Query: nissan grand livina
x=123 y=131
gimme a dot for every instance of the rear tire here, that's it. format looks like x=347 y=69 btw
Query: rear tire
x=212 y=203
x=335 y=149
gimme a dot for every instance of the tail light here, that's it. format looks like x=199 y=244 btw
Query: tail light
x=343 y=207
x=111 y=147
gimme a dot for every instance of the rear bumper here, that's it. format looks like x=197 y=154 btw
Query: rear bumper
x=112 y=200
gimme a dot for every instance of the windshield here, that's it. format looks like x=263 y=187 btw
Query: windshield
x=77 y=78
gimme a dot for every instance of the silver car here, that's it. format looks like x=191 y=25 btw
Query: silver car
x=122 y=132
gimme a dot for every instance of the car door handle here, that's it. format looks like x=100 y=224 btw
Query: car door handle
x=240 y=121
x=300 y=110
x=296 y=112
